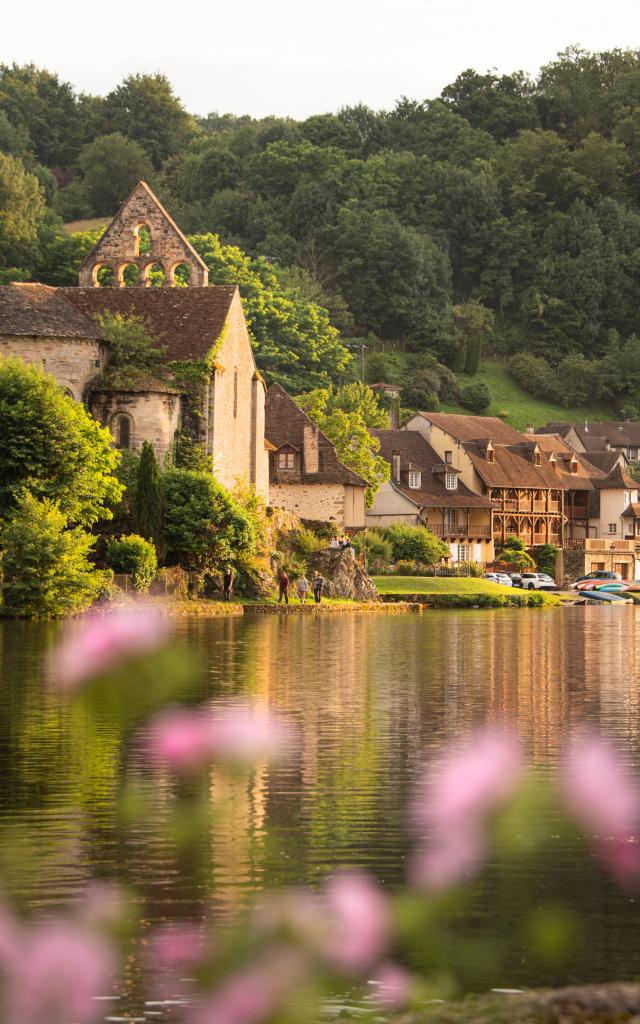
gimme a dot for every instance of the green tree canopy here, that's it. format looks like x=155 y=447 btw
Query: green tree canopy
x=52 y=447
x=111 y=166
x=204 y=526
x=415 y=544
x=131 y=343
x=145 y=109
x=22 y=207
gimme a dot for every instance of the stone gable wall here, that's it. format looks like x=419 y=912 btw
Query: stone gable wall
x=318 y=502
x=72 y=361
x=236 y=410
x=118 y=247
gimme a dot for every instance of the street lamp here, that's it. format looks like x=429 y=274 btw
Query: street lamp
x=363 y=349
x=612 y=548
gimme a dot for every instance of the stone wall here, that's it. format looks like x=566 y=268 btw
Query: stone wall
x=72 y=361
x=320 y=503
x=236 y=425
x=154 y=417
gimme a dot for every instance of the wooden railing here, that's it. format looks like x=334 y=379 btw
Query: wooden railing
x=441 y=530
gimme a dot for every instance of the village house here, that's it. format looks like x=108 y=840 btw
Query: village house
x=620 y=436
x=305 y=473
x=425 y=490
x=537 y=495
x=206 y=385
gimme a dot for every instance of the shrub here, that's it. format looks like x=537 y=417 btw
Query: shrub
x=519 y=559
x=134 y=556
x=378 y=549
x=45 y=568
x=415 y=544
x=535 y=376
x=203 y=524
x=422 y=391
x=404 y=567
x=307 y=543
x=449 y=389
x=580 y=376
x=475 y=397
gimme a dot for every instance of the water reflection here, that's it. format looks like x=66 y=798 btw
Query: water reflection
x=370 y=695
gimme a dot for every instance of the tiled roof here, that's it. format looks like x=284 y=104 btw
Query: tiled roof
x=474 y=428
x=603 y=462
x=284 y=424
x=618 y=479
x=187 y=321
x=595 y=436
x=32 y=310
x=415 y=451
x=513 y=467
x=632 y=511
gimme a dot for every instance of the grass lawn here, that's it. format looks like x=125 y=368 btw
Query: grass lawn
x=89 y=224
x=437 y=585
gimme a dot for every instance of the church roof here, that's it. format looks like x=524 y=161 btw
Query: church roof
x=33 y=310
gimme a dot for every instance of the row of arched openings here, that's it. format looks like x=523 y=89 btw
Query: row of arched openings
x=130 y=275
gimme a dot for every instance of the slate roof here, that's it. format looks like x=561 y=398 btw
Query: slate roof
x=602 y=461
x=417 y=453
x=284 y=424
x=31 y=310
x=618 y=479
x=596 y=436
x=474 y=428
x=632 y=511
x=187 y=321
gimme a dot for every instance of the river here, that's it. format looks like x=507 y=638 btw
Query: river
x=370 y=695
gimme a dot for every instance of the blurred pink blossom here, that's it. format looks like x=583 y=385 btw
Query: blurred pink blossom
x=99 y=643
x=449 y=858
x=471 y=781
x=360 y=921
x=188 y=740
x=622 y=857
x=392 y=986
x=598 y=789
x=54 y=972
x=253 y=995
x=175 y=945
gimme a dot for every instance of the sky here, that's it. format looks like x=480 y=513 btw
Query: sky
x=298 y=57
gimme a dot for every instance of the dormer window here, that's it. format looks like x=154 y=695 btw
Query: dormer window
x=490 y=455
x=537 y=459
x=286 y=460
x=574 y=467
x=448 y=458
x=415 y=479
x=451 y=481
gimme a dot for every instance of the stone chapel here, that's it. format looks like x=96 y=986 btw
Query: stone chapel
x=201 y=328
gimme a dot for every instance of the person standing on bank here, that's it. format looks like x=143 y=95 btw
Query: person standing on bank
x=302 y=587
x=284 y=588
x=227 y=583
x=318 y=583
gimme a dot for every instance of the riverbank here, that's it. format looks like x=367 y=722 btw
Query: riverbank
x=459 y=592
x=215 y=608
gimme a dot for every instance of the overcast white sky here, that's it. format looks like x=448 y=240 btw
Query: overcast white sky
x=298 y=57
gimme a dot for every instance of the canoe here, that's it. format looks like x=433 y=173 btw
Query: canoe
x=598 y=596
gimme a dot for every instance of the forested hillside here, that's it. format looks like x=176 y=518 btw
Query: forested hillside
x=500 y=216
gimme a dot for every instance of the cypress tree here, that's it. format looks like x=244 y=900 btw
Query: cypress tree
x=149 y=502
x=473 y=356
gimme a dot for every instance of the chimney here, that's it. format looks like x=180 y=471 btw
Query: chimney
x=310 y=442
x=586 y=427
x=395 y=467
x=530 y=428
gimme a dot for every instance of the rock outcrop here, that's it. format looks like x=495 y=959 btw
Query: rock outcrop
x=344 y=576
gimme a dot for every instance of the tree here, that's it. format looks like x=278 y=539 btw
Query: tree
x=149 y=498
x=45 y=108
x=476 y=324
x=111 y=166
x=45 y=570
x=204 y=526
x=421 y=391
x=545 y=557
x=51 y=446
x=415 y=544
x=134 y=556
x=475 y=397
x=502 y=106
x=131 y=343
x=346 y=416
x=21 y=208
x=577 y=377
x=145 y=109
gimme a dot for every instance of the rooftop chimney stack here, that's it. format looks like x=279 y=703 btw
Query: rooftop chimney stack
x=395 y=467
x=530 y=429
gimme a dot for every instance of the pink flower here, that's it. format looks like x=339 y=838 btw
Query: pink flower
x=178 y=945
x=184 y=739
x=253 y=995
x=472 y=781
x=392 y=986
x=188 y=740
x=598 y=789
x=99 y=643
x=360 y=921
x=54 y=973
x=246 y=734
x=448 y=859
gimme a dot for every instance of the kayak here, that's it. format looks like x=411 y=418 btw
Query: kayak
x=598 y=596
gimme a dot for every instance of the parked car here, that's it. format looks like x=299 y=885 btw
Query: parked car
x=595 y=576
x=537 y=581
x=516 y=579
x=499 y=577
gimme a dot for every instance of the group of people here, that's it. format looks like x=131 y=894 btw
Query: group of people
x=302 y=587
x=340 y=543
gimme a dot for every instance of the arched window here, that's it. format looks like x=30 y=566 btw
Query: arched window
x=154 y=275
x=103 y=275
x=121 y=428
x=142 y=235
x=128 y=275
x=180 y=275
